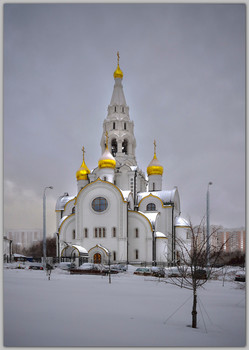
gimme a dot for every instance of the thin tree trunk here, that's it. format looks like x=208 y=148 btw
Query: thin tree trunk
x=194 y=310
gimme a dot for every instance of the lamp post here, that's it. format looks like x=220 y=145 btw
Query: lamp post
x=44 y=226
x=208 y=233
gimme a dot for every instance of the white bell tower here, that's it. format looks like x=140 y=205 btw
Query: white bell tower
x=120 y=128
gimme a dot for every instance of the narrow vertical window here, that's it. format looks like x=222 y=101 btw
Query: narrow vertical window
x=86 y=232
x=125 y=147
x=114 y=125
x=136 y=233
x=103 y=232
x=136 y=253
x=115 y=109
x=124 y=126
x=95 y=232
x=154 y=186
x=114 y=256
x=73 y=234
x=122 y=109
x=99 y=231
x=114 y=147
x=114 y=232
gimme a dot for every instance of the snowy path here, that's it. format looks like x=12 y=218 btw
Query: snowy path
x=73 y=310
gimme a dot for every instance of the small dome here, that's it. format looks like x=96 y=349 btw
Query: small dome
x=118 y=73
x=107 y=160
x=83 y=171
x=154 y=168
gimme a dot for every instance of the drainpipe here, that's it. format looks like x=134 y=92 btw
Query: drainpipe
x=10 y=252
x=135 y=191
x=173 y=236
x=127 y=244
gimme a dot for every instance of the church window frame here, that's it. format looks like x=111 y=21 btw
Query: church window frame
x=136 y=232
x=151 y=207
x=125 y=146
x=73 y=234
x=95 y=232
x=114 y=147
x=122 y=109
x=124 y=125
x=114 y=256
x=104 y=232
x=86 y=232
x=99 y=204
x=136 y=254
x=114 y=125
x=114 y=232
x=153 y=186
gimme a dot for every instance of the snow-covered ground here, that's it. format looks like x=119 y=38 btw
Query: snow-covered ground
x=86 y=310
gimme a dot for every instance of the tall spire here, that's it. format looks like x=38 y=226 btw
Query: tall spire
x=120 y=128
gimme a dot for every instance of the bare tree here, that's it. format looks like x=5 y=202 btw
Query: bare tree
x=36 y=250
x=193 y=265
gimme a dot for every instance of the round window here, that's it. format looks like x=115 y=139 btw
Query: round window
x=99 y=204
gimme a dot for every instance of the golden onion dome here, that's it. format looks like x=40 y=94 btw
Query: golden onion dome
x=83 y=171
x=107 y=160
x=118 y=73
x=154 y=168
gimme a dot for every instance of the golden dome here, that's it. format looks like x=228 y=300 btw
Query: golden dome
x=154 y=168
x=107 y=160
x=83 y=171
x=118 y=73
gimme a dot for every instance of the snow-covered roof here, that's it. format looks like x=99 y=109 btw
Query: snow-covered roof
x=81 y=249
x=125 y=194
x=165 y=196
x=152 y=217
x=62 y=219
x=159 y=235
x=181 y=222
x=62 y=201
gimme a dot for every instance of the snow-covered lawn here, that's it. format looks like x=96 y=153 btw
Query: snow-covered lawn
x=83 y=310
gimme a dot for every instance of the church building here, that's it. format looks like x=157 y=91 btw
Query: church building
x=118 y=212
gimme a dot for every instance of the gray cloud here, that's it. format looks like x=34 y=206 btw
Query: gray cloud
x=184 y=81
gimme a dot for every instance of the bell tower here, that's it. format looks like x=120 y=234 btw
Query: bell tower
x=121 y=140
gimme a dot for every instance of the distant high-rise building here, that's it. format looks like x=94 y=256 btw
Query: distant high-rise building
x=23 y=238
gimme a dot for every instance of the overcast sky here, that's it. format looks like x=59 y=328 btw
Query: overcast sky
x=184 y=81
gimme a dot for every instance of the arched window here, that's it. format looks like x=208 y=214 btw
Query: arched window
x=151 y=207
x=124 y=126
x=113 y=125
x=114 y=256
x=125 y=147
x=114 y=146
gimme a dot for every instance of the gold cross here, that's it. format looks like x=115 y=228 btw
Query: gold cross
x=118 y=57
x=106 y=135
x=83 y=150
x=155 y=146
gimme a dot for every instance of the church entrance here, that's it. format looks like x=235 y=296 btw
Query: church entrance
x=97 y=258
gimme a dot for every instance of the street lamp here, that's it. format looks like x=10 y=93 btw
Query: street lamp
x=44 y=226
x=208 y=233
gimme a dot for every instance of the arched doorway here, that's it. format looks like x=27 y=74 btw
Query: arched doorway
x=97 y=258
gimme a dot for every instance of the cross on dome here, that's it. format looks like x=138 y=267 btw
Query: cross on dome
x=118 y=73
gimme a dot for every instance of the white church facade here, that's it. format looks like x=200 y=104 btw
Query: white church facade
x=119 y=213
